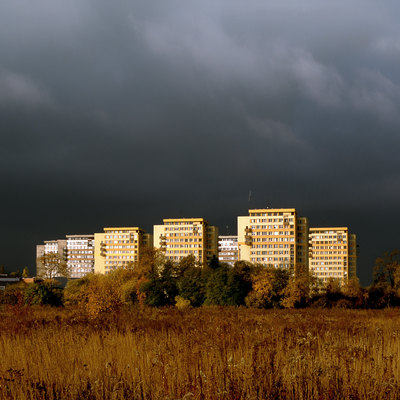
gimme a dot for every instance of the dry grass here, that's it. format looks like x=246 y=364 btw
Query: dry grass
x=207 y=353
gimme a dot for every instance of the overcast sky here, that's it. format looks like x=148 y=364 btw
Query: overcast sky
x=127 y=112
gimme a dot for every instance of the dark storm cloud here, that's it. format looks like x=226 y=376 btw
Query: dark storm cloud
x=128 y=112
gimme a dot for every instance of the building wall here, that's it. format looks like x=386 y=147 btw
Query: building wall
x=119 y=247
x=302 y=243
x=99 y=253
x=228 y=249
x=211 y=242
x=332 y=253
x=276 y=237
x=80 y=255
x=181 y=237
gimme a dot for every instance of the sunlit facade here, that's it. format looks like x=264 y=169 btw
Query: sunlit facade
x=118 y=247
x=333 y=254
x=276 y=237
x=181 y=237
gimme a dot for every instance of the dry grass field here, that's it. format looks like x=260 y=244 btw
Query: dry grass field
x=205 y=353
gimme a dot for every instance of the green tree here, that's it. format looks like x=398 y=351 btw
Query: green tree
x=25 y=272
x=161 y=287
x=239 y=283
x=43 y=293
x=216 y=287
x=192 y=285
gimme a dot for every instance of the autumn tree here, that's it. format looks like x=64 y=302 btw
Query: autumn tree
x=268 y=284
x=297 y=292
x=52 y=265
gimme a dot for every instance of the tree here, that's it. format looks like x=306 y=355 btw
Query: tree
x=216 y=287
x=161 y=288
x=192 y=285
x=25 y=272
x=387 y=270
x=297 y=292
x=52 y=265
x=43 y=293
x=2 y=269
x=268 y=285
x=239 y=283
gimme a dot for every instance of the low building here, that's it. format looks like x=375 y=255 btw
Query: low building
x=6 y=280
x=228 y=249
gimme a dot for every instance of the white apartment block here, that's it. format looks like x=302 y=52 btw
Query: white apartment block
x=228 y=249
x=80 y=255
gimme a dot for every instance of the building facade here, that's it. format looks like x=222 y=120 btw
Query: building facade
x=228 y=249
x=80 y=255
x=118 y=247
x=276 y=237
x=181 y=237
x=333 y=254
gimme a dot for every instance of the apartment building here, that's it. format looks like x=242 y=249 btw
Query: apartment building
x=228 y=249
x=277 y=237
x=118 y=247
x=80 y=255
x=58 y=246
x=332 y=253
x=180 y=237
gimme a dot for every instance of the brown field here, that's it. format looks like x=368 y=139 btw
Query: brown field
x=205 y=353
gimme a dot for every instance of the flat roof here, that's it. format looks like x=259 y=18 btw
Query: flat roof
x=272 y=210
x=343 y=228
x=124 y=228
x=76 y=236
x=183 y=219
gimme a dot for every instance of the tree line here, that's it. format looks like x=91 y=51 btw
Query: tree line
x=156 y=281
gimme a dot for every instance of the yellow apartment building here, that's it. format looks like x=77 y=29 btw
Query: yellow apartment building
x=181 y=237
x=274 y=236
x=118 y=247
x=333 y=253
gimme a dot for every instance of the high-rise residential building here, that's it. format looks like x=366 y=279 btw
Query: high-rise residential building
x=181 y=237
x=333 y=253
x=274 y=236
x=80 y=255
x=228 y=249
x=58 y=246
x=118 y=247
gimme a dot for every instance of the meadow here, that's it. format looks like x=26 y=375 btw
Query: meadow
x=203 y=353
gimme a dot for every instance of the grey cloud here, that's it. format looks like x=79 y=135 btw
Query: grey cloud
x=17 y=89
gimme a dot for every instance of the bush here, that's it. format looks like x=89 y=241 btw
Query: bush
x=43 y=293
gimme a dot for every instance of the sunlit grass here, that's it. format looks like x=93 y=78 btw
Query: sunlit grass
x=206 y=353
